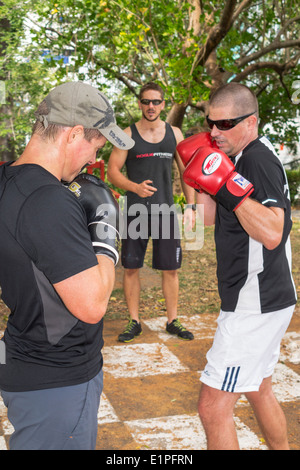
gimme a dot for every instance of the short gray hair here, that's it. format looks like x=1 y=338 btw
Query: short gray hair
x=240 y=96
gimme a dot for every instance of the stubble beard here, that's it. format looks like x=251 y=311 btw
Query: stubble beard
x=150 y=120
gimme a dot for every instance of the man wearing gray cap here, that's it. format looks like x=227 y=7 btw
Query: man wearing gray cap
x=58 y=249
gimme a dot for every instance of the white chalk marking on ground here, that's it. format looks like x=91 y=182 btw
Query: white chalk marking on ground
x=286 y=384
x=138 y=360
x=202 y=326
x=183 y=432
x=106 y=412
x=7 y=427
x=290 y=348
x=2 y=443
x=3 y=409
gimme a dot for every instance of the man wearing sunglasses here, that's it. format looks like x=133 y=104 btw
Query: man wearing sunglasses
x=149 y=188
x=246 y=196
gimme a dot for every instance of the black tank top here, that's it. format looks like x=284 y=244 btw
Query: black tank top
x=154 y=162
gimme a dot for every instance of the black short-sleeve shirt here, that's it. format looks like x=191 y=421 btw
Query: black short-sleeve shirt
x=251 y=278
x=43 y=240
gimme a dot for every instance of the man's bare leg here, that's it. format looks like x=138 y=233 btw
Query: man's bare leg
x=170 y=286
x=132 y=290
x=216 y=414
x=269 y=415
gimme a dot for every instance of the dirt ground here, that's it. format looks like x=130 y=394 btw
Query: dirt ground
x=151 y=403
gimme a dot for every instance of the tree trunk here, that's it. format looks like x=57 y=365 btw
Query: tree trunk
x=176 y=115
x=175 y=118
x=7 y=152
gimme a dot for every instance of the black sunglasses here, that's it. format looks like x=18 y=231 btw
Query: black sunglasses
x=226 y=124
x=155 y=102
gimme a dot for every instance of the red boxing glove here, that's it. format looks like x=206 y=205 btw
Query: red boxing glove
x=212 y=171
x=187 y=147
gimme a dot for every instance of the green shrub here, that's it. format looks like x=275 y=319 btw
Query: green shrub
x=179 y=199
x=294 y=184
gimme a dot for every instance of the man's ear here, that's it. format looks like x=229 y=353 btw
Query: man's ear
x=75 y=133
x=253 y=121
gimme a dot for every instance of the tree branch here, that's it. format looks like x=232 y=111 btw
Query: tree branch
x=242 y=6
x=271 y=47
x=165 y=81
x=217 y=33
x=277 y=66
x=287 y=25
x=164 y=78
x=200 y=105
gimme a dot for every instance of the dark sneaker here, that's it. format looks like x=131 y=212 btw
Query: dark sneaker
x=132 y=329
x=176 y=328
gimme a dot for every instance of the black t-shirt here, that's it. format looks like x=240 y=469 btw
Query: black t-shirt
x=152 y=161
x=43 y=240
x=251 y=278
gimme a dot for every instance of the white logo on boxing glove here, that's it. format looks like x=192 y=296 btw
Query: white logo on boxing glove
x=211 y=163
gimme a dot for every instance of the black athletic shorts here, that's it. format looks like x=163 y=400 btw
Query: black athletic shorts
x=165 y=235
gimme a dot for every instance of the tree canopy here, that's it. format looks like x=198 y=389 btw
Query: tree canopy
x=190 y=47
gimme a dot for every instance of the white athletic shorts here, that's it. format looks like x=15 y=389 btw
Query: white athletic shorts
x=245 y=350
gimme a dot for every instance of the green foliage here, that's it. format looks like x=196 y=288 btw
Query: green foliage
x=294 y=184
x=25 y=76
x=179 y=199
x=119 y=44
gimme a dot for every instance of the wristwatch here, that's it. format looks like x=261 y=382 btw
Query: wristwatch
x=191 y=206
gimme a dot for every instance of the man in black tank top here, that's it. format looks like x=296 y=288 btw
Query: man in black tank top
x=149 y=198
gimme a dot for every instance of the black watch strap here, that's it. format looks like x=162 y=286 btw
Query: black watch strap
x=191 y=206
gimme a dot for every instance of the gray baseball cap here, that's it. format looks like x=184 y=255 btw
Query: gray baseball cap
x=78 y=103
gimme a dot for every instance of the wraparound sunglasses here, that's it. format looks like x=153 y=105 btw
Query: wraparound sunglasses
x=226 y=124
x=155 y=102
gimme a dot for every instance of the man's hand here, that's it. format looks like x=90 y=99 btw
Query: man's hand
x=145 y=189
